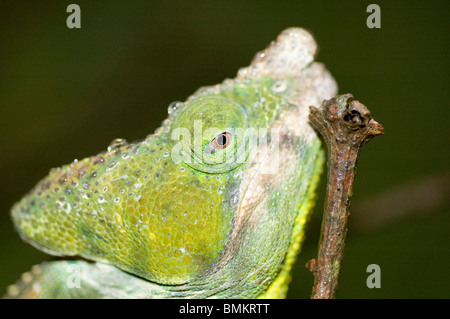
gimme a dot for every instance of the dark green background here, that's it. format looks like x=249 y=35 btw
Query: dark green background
x=66 y=93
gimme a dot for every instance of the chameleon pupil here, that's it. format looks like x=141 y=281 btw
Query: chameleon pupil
x=222 y=140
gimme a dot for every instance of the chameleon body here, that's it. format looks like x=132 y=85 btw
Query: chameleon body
x=212 y=205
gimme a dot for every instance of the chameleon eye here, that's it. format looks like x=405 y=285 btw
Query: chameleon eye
x=214 y=128
x=221 y=141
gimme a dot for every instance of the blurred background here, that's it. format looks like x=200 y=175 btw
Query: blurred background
x=66 y=93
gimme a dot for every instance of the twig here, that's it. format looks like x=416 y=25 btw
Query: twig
x=346 y=125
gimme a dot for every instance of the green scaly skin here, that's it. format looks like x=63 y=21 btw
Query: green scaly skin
x=173 y=217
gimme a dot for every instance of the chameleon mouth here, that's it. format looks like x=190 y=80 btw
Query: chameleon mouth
x=21 y=213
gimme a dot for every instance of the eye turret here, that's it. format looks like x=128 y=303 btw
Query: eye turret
x=211 y=131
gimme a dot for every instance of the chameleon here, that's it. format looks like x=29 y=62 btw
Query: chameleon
x=213 y=204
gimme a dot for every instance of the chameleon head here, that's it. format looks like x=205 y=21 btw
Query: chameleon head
x=215 y=201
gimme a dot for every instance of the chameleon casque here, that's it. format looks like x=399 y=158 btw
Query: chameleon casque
x=212 y=205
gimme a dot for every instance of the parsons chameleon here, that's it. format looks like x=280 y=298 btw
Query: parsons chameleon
x=213 y=204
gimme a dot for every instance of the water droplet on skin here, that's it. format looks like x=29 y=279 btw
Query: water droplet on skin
x=279 y=86
x=174 y=107
x=99 y=160
x=81 y=173
x=115 y=144
x=242 y=72
x=234 y=199
x=54 y=170
x=260 y=102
